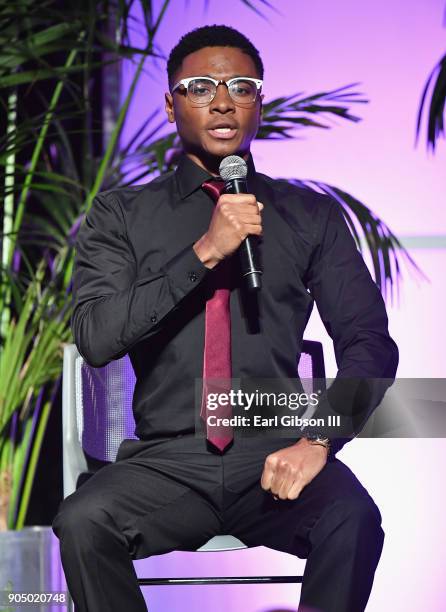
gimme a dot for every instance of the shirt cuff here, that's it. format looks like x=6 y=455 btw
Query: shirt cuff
x=184 y=272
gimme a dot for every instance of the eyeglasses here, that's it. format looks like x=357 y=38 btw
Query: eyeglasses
x=202 y=90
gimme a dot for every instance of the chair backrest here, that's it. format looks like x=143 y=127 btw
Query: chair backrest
x=97 y=406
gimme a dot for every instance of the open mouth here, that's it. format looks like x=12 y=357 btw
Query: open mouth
x=223 y=133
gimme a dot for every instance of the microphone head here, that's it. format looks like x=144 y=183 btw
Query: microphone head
x=233 y=167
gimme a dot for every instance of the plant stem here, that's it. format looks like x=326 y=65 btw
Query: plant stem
x=21 y=456
x=122 y=115
x=34 y=458
x=113 y=138
x=36 y=154
x=11 y=230
x=8 y=208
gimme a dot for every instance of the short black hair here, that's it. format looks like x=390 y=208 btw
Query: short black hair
x=211 y=36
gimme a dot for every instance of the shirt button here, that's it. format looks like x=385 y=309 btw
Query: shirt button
x=154 y=318
x=192 y=277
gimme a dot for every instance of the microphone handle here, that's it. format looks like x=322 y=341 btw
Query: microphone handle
x=248 y=255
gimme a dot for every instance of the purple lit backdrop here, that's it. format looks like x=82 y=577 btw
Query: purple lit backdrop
x=389 y=46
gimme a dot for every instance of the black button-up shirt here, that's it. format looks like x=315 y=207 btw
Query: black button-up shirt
x=139 y=288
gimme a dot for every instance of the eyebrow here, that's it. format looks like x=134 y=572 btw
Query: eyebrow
x=235 y=76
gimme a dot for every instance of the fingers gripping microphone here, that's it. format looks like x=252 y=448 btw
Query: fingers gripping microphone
x=233 y=170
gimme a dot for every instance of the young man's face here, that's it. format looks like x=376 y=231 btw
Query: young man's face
x=194 y=123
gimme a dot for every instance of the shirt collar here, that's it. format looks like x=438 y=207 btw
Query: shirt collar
x=190 y=176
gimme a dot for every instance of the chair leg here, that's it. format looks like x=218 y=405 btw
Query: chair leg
x=70 y=603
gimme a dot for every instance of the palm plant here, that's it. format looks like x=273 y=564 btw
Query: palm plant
x=51 y=53
x=435 y=113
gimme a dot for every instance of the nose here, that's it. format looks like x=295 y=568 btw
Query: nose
x=222 y=101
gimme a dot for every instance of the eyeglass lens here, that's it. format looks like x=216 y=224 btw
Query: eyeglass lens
x=202 y=91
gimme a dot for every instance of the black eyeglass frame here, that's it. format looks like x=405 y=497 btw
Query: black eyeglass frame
x=185 y=82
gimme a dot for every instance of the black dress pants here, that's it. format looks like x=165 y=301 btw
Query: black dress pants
x=176 y=494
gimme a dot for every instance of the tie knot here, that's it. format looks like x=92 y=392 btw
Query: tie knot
x=214 y=188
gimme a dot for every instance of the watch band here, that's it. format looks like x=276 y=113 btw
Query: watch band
x=320 y=440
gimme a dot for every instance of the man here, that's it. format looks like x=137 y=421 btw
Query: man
x=150 y=262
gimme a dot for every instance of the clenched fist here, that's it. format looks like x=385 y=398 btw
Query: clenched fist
x=288 y=470
x=235 y=217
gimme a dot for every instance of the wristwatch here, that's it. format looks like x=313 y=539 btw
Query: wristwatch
x=318 y=438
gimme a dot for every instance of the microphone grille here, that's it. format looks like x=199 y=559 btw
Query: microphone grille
x=233 y=167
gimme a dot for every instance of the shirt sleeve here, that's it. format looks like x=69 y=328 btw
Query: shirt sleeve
x=114 y=307
x=354 y=315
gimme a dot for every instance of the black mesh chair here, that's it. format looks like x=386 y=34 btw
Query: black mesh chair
x=97 y=416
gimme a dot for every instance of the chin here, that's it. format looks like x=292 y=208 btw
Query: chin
x=222 y=147
x=211 y=153
x=224 y=150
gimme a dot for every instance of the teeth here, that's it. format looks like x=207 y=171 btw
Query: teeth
x=223 y=130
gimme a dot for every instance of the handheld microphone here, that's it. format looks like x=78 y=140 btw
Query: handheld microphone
x=234 y=170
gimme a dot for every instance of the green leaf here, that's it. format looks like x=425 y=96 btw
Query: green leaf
x=33 y=76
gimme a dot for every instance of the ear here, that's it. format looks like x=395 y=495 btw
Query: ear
x=261 y=107
x=170 y=112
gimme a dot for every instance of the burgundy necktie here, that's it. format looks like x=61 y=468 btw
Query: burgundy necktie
x=217 y=346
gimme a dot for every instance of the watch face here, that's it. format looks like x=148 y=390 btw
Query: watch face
x=311 y=436
x=318 y=437
x=314 y=436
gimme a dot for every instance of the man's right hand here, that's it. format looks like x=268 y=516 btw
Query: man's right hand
x=235 y=217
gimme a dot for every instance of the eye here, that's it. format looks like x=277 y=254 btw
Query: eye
x=201 y=87
x=243 y=88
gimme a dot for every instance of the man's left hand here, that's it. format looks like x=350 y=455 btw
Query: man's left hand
x=288 y=470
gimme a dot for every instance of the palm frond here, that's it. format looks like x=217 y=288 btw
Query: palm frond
x=383 y=246
x=435 y=121
x=286 y=113
x=254 y=5
x=37 y=45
